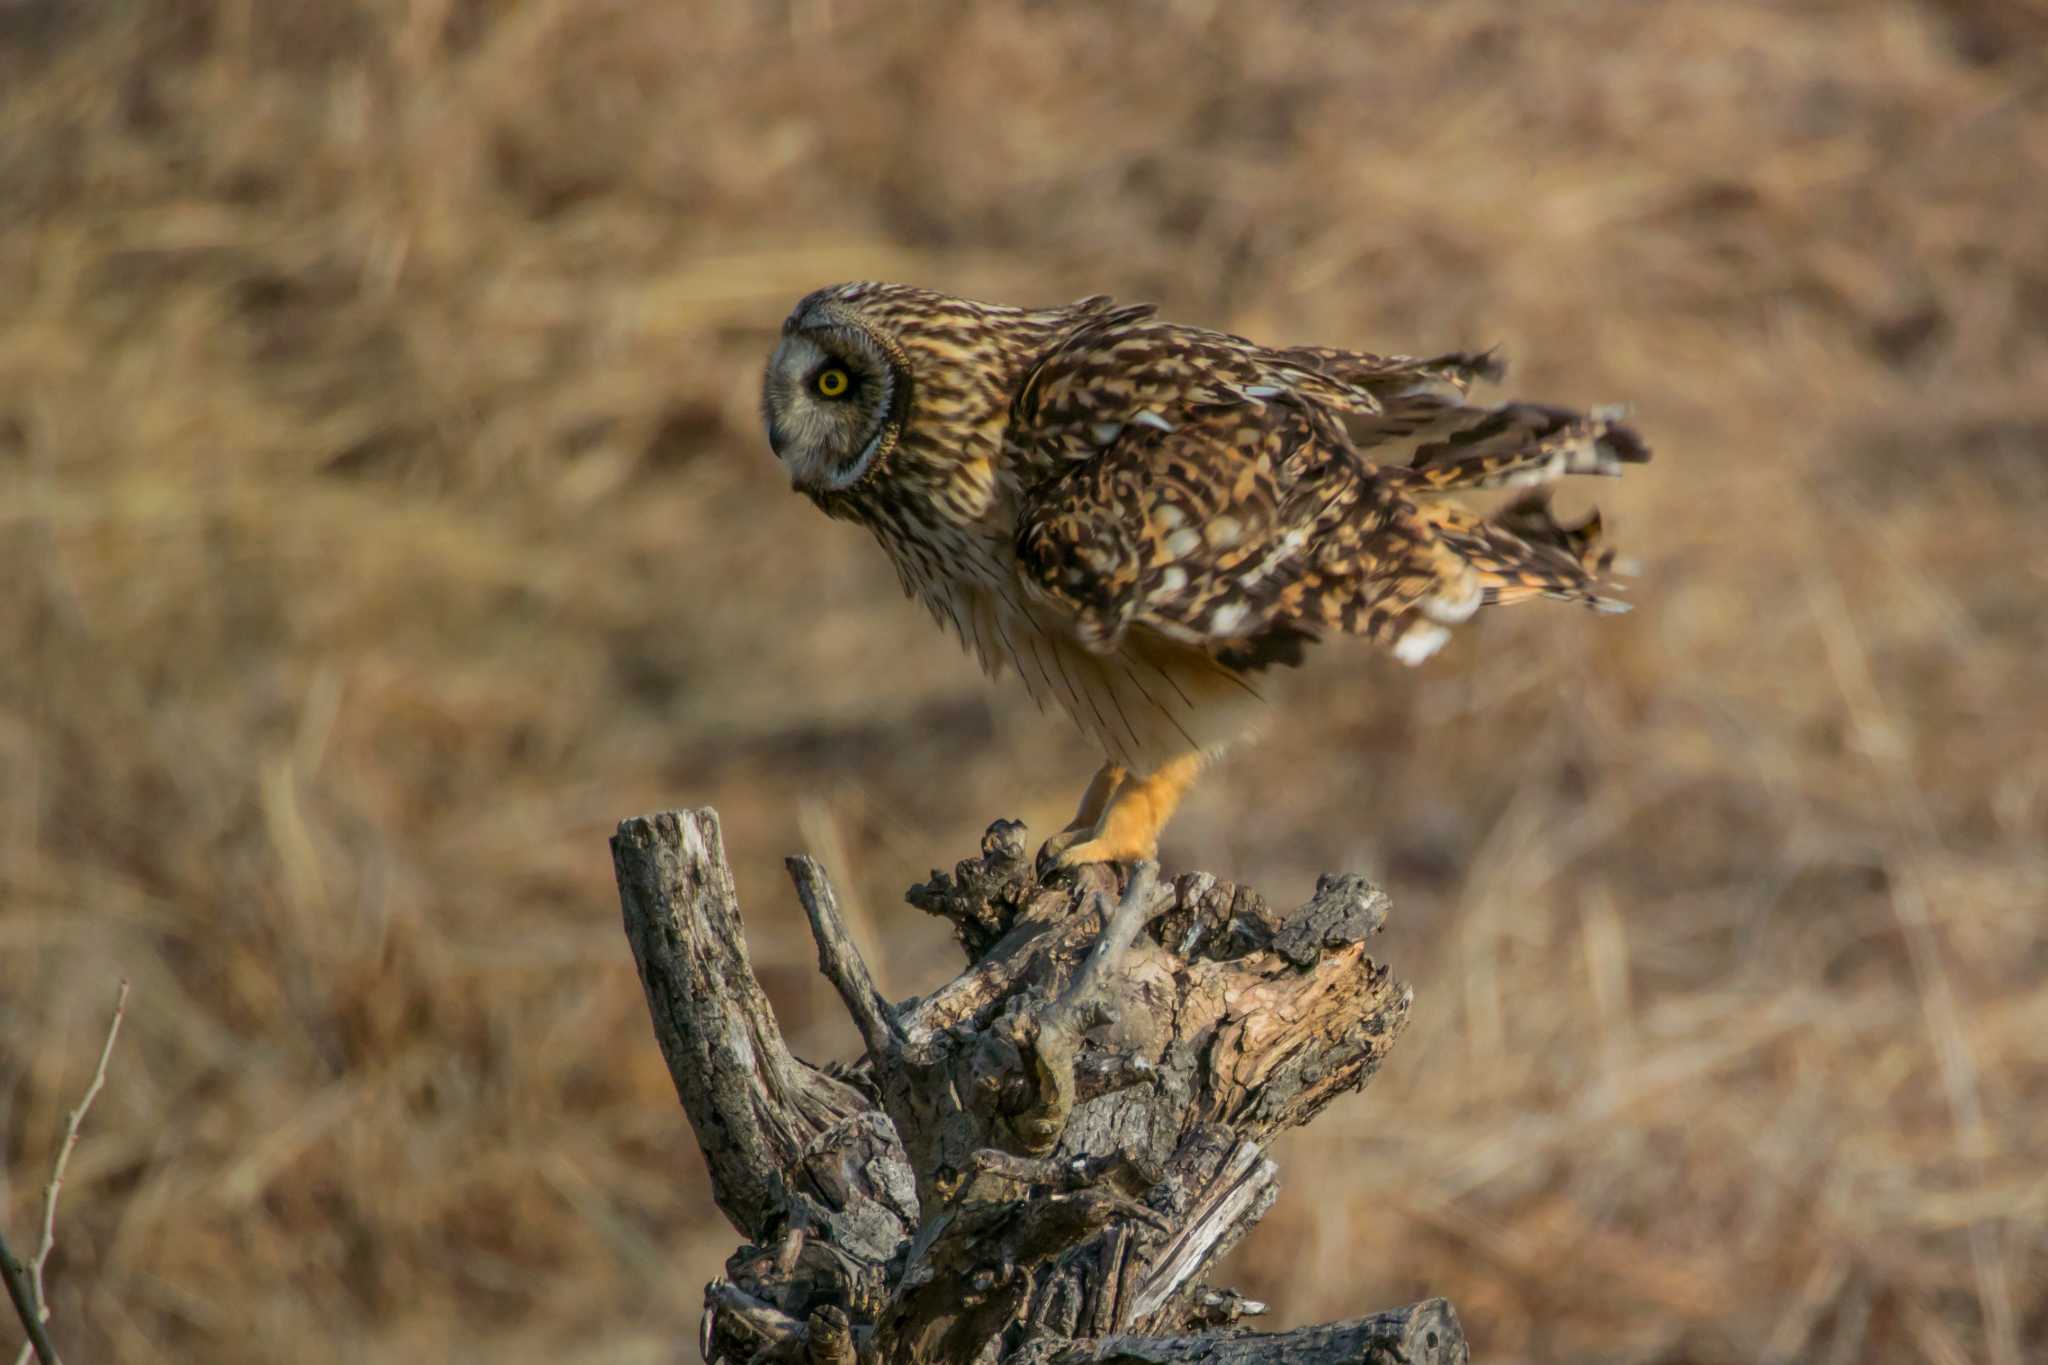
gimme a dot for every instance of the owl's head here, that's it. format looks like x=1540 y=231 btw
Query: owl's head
x=836 y=395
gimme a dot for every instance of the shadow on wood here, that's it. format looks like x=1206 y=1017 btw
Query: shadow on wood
x=1038 y=1161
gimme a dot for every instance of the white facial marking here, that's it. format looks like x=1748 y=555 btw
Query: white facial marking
x=851 y=474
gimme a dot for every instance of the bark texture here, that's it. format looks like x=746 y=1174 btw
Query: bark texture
x=1038 y=1161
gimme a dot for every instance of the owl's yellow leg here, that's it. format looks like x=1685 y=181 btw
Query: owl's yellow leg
x=1128 y=829
x=1087 y=816
x=1095 y=800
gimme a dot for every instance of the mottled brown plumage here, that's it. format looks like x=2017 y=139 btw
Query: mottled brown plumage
x=1136 y=515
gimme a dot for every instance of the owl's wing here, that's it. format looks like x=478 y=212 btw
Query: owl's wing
x=1120 y=365
x=1245 y=530
x=1250 y=529
x=1221 y=494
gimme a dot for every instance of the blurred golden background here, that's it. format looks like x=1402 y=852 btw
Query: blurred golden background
x=384 y=515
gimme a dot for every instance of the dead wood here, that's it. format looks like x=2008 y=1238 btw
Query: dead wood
x=1039 y=1160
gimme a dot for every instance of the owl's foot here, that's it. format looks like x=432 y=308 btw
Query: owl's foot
x=1055 y=848
x=1127 y=828
x=1079 y=847
x=1075 y=848
x=1087 y=820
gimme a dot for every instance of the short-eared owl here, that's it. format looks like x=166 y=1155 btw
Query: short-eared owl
x=1135 y=515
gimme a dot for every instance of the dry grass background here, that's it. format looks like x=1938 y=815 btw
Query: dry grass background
x=383 y=515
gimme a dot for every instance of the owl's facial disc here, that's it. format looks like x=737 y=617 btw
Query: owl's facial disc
x=833 y=404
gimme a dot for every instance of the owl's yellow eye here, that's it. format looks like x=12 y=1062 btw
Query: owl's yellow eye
x=833 y=383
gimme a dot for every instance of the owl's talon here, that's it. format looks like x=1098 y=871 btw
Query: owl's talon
x=1088 y=851
x=1052 y=853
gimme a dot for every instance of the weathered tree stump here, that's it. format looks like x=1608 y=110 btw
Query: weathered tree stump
x=1037 y=1161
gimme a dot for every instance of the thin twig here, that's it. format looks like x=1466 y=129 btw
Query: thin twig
x=25 y=1307
x=39 y=1309
x=840 y=960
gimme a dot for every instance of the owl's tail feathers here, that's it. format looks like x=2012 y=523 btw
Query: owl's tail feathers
x=1521 y=445
x=1523 y=551
x=1460 y=560
x=1464 y=559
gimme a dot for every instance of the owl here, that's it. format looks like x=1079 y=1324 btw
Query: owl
x=1139 y=517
